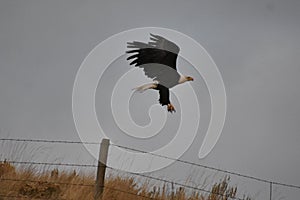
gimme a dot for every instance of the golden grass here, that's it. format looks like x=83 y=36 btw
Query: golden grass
x=62 y=185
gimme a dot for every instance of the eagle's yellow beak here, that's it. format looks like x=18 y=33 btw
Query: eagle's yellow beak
x=190 y=78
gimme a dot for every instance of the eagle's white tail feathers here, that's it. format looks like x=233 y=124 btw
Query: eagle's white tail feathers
x=145 y=87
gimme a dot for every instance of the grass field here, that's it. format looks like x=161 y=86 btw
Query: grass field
x=26 y=183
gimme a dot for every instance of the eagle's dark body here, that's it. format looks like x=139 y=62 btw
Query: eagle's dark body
x=164 y=94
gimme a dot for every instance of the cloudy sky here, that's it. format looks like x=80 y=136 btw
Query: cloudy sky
x=255 y=45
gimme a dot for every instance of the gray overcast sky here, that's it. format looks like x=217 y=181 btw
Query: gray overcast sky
x=254 y=43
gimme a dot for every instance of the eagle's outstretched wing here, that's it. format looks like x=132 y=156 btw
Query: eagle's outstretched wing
x=157 y=58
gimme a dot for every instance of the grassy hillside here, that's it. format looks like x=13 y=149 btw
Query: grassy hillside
x=20 y=183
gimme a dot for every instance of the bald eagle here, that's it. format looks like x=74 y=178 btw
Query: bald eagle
x=158 y=60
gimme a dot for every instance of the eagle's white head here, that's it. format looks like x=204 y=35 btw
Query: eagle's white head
x=183 y=79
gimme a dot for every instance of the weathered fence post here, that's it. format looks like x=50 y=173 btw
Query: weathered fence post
x=271 y=189
x=99 y=186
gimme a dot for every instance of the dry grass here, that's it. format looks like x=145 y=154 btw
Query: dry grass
x=62 y=185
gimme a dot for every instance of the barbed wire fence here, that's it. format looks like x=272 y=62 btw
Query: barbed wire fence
x=101 y=168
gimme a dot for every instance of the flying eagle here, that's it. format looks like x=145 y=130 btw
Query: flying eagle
x=158 y=60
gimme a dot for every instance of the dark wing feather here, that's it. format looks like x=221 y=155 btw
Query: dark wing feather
x=157 y=58
x=148 y=55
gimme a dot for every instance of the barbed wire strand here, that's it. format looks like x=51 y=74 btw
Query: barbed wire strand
x=132 y=173
x=79 y=165
x=172 y=182
x=46 y=163
x=109 y=188
x=114 y=169
x=209 y=167
x=49 y=141
x=52 y=182
x=64 y=183
x=154 y=154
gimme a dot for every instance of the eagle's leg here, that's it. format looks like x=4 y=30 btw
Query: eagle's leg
x=171 y=108
x=146 y=87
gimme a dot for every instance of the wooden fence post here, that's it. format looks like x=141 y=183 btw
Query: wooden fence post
x=271 y=190
x=99 y=186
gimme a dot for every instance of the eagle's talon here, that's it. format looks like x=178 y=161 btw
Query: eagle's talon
x=171 y=108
